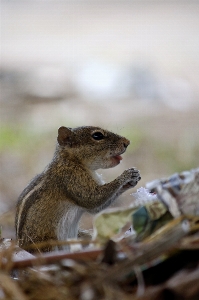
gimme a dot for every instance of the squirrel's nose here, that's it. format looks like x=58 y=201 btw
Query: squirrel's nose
x=126 y=143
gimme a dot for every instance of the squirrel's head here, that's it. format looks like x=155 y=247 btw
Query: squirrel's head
x=95 y=147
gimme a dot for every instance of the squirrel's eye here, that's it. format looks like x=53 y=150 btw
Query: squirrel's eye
x=97 y=136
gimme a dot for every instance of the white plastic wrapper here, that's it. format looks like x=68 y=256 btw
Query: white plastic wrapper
x=143 y=196
x=180 y=192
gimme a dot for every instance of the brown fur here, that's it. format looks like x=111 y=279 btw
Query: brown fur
x=51 y=206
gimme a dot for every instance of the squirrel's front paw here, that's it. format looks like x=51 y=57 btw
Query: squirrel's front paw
x=132 y=176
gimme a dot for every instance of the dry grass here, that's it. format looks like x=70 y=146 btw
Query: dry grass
x=101 y=274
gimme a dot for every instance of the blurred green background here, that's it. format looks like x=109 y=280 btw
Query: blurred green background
x=128 y=66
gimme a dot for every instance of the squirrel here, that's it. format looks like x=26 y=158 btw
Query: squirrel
x=50 y=207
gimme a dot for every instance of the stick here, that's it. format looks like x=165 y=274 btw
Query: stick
x=49 y=258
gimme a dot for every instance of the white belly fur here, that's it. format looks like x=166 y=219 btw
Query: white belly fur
x=68 y=224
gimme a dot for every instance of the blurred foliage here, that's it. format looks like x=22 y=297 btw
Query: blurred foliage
x=18 y=138
x=27 y=148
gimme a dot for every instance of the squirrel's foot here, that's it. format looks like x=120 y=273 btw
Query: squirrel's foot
x=134 y=176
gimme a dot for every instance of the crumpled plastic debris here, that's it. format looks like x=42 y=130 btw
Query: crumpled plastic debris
x=143 y=217
x=180 y=192
x=112 y=223
x=153 y=207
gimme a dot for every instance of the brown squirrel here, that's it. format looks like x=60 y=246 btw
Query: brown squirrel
x=51 y=206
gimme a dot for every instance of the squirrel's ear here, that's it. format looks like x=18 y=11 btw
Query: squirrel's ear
x=64 y=136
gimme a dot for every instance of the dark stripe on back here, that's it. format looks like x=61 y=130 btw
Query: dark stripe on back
x=29 y=202
x=34 y=197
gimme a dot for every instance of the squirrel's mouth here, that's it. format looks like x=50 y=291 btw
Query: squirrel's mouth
x=116 y=160
x=118 y=157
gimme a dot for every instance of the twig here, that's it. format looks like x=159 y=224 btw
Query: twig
x=60 y=243
x=53 y=257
